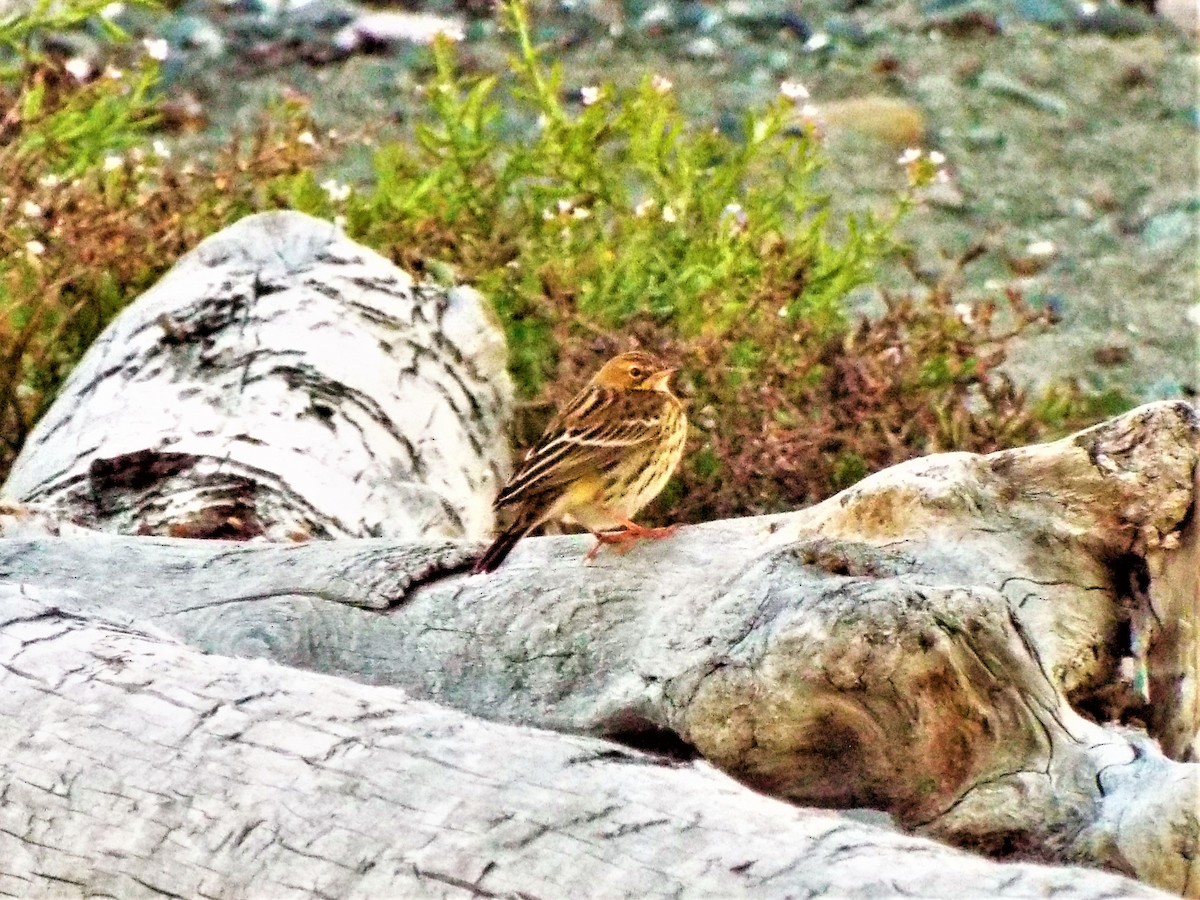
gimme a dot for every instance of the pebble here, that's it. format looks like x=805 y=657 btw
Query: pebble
x=893 y=120
x=1185 y=14
x=1005 y=86
x=1170 y=230
x=702 y=48
x=383 y=29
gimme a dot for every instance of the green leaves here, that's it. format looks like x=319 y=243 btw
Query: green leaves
x=608 y=206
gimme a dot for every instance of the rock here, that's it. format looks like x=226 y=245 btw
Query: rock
x=1045 y=12
x=1113 y=20
x=1112 y=355
x=945 y=195
x=702 y=48
x=1171 y=230
x=322 y=15
x=1005 y=86
x=1183 y=13
x=380 y=30
x=982 y=137
x=897 y=122
x=193 y=34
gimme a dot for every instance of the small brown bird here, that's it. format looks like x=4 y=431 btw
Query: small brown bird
x=607 y=454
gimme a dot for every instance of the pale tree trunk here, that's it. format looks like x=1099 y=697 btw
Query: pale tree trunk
x=281 y=381
x=922 y=644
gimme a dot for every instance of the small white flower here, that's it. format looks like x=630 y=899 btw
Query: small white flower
x=1041 y=248
x=112 y=10
x=1088 y=8
x=937 y=157
x=161 y=150
x=306 y=138
x=661 y=85
x=113 y=162
x=31 y=210
x=113 y=73
x=734 y=218
x=564 y=207
x=909 y=156
x=941 y=176
x=589 y=94
x=549 y=215
x=78 y=68
x=336 y=190
x=668 y=215
x=580 y=213
x=35 y=248
x=783 y=312
x=964 y=312
x=49 y=181
x=818 y=41
x=157 y=48
x=794 y=91
x=643 y=208
x=1193 y=315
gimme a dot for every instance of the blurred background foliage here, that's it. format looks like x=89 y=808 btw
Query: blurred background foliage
x=593 y=221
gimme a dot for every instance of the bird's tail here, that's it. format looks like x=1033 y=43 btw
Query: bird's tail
x=501 y=547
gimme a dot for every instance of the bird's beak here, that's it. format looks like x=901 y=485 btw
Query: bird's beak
x=662 y=381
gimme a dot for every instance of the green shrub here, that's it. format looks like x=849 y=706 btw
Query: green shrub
x=592 y=227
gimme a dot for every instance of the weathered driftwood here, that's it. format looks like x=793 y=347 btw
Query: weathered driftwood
x=280 y=381
x=895 y=672
x=914 y=644
x=136 y=767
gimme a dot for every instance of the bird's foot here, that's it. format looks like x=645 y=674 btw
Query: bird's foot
x=623 y=539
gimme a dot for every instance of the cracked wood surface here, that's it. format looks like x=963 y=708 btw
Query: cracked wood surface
x=280 y=381
x=137 y=767
x=922 y=643
x=909 y=645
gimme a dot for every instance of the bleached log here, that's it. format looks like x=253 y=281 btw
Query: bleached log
x=136 y=767
x=922 y=643
x=283 y=382
x=923 y=669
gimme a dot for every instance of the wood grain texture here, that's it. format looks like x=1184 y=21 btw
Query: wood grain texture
x=283 y=382
x=925 y=670
x=997 y=651
x=136 y=767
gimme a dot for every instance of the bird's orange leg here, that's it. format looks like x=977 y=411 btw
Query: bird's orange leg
x=630 y=533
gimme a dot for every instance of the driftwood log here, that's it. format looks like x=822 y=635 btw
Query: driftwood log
x=281 y=382
x=998 y=651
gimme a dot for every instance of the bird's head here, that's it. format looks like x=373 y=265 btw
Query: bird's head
x=635 y=371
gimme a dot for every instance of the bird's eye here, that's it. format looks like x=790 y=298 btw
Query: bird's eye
x=635 y=372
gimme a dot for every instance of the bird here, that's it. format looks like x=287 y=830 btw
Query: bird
x=602 y=458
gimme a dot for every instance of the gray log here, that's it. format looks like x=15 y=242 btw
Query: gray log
x=901 y=671
x=136 y=767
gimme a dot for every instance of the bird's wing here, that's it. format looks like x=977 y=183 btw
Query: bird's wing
x=591 y=434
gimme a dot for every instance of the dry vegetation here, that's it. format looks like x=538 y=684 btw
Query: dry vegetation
x=592 y=227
